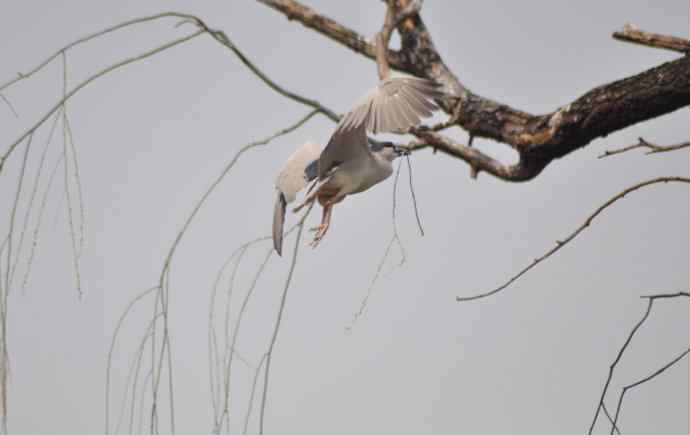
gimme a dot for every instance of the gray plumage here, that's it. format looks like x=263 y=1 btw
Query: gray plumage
x=348 y=164
x=299 y=169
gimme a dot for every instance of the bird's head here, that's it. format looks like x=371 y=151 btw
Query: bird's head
x=390 y=151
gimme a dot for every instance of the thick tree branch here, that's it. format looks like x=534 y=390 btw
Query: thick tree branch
x=653 y=148
x=632 y=34
x=538 y=138
x=524 y=170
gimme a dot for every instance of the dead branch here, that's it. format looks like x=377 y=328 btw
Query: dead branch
x=653 y=148
x=632 y=34
x=574 y=234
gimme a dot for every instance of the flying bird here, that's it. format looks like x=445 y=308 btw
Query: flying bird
x=351 y=163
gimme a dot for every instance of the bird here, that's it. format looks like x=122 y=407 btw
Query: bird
x=351 y=162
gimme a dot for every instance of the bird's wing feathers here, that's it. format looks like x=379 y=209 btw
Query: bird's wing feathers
x=298 y=170
x=294 y=176
x=396 y=104
x=343 y=146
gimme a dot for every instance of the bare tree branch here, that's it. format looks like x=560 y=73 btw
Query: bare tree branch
x=653 y=149
x=630 y=33
x=538 y=138
x=524 y=170
x=574 y=234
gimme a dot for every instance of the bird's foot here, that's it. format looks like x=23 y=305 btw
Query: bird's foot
x=320 y=232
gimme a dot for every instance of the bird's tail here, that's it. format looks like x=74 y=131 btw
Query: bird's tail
x=278 y=222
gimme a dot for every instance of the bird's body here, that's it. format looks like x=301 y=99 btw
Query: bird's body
x=349 y=164
x=358 y=175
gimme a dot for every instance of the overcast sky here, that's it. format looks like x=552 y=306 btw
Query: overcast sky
x=152 y=137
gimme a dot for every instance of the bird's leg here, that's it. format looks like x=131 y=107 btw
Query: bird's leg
x=308 y=200
x=325 y=223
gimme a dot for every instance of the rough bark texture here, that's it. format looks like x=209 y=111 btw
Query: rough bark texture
x=539 y=139
x=636 y=36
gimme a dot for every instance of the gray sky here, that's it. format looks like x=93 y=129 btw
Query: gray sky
x=152 y=137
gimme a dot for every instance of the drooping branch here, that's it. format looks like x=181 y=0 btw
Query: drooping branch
x=632 y=34
x=538 y=138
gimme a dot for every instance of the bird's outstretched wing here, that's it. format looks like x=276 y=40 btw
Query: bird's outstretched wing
x=396 y=104
x=298 y=170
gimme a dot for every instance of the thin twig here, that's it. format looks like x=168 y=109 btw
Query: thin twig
x=666 y=295
x=9 y=104
x=414 y=197
x=574 y=234
x=66 y=139
x=13 y=213
x=653 y=149
x=119 y=324
x=609 y=417
x=221 y=37
x=215 y=364
x=250 y=405
x=32 y=197
x=39 y=220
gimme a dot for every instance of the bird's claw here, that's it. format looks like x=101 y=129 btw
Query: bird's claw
x=320 y=232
